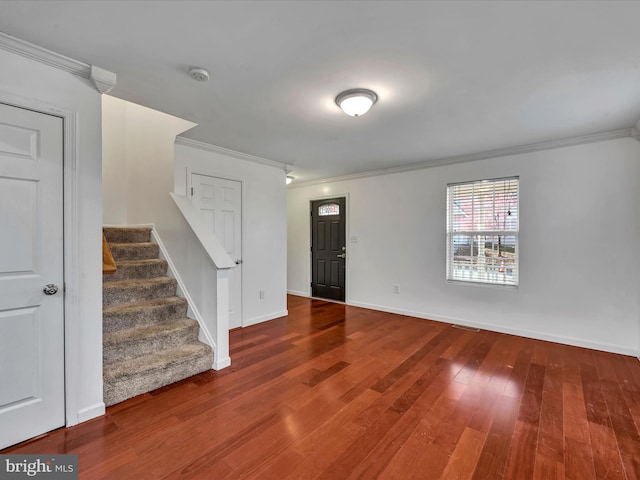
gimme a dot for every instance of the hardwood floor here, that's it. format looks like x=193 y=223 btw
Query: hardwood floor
x=337 y=392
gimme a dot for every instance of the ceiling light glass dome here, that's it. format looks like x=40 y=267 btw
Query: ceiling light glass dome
x=356 y=102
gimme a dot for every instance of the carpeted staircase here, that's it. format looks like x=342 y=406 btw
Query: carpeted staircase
x=147 y=340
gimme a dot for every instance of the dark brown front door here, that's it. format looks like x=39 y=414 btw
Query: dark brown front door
x=328 y=251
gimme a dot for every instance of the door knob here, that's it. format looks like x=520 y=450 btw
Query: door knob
x=50 y=289
x=342 y=255
x=238 y=262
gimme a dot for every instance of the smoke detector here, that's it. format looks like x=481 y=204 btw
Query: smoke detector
x=199 y=74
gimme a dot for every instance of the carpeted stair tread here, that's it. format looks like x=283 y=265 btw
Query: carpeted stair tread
x=127 y=234
x=129 y=291
x=135 y=342
x=129 y=378
x=134 y=251
x=137 y=314
x=148 y=341
x=132 y=269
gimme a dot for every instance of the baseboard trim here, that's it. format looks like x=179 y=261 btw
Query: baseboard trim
x=93 y=411
x=298 y=294
x=221 y=363
x=576 y=342
x=265 y=318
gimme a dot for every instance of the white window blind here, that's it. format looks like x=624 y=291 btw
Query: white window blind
x=482 y=231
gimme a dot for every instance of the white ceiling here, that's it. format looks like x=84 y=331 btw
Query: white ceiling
x=453 y=78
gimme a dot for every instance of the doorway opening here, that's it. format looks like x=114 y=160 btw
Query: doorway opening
x=328 y=248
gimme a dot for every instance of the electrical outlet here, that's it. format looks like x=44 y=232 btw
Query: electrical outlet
x=261 y=294
x=396 y=289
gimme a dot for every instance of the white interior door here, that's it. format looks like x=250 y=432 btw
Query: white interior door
x=31 y=256
x=220 y=203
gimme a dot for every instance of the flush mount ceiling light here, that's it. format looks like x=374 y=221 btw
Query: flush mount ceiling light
x=357 y=101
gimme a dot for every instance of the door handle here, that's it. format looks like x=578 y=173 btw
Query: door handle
x=238 y=262
x=50 y=289
x=342 y=255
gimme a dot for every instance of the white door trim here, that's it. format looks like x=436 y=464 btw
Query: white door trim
x=70 y=232
x=212 y=173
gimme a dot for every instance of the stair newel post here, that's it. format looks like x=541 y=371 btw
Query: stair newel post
x=221 y=352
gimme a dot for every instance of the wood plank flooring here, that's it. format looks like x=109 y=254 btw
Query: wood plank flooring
x=336 y=392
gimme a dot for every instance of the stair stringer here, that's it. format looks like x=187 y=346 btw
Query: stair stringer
x=181 y=291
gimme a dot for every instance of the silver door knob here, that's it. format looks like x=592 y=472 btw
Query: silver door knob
x=50 y=289
x=342 y=255
x=238 y=262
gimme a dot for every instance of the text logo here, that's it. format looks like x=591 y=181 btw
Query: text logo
x=51 y=467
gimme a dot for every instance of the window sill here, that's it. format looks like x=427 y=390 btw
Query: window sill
x=482 y=284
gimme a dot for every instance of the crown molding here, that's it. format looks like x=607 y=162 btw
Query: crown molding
x=501 y=152
x=102 y=79
x=42 y=55
x=635 y=131
x=188 y=142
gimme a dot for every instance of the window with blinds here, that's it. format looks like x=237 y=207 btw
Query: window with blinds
x=482 y=231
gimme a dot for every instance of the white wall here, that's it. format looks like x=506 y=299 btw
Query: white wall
x=29 y=83
x=138 y=163
x=264 y=234
x=115 y=179
x=580 y=226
